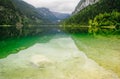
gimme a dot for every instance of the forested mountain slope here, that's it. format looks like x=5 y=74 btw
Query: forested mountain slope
x=8 y=13
x=14 y=12
x=89 y=12
x=29 y=11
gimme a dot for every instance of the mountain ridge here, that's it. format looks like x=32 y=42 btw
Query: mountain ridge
x=47 y=14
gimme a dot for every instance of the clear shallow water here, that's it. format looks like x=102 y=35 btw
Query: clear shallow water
x=57 y=59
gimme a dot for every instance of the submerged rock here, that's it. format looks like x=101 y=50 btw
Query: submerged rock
x=40 y=61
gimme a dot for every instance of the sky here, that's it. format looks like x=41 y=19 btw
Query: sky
x=63 y=6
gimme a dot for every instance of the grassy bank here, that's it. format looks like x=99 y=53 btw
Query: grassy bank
x=105 y=50
x=13 y=45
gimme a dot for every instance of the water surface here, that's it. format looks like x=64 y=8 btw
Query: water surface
x=57 y=59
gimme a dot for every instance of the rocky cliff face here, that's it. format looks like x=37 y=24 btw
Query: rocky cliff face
x=84 y=3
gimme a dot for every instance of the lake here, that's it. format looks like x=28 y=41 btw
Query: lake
x=57 y=58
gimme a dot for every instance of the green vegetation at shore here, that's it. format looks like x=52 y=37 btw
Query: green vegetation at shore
x=14 y=45
x=105 y=50
x=107 y=23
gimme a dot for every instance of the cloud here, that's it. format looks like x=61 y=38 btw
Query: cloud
x=64 y=6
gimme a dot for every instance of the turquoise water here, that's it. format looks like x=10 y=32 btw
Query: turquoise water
x=59 y=58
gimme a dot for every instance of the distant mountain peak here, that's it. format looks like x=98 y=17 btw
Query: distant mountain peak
x=61 y=16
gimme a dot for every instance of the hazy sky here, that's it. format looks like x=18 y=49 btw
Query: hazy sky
x=64 y=6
